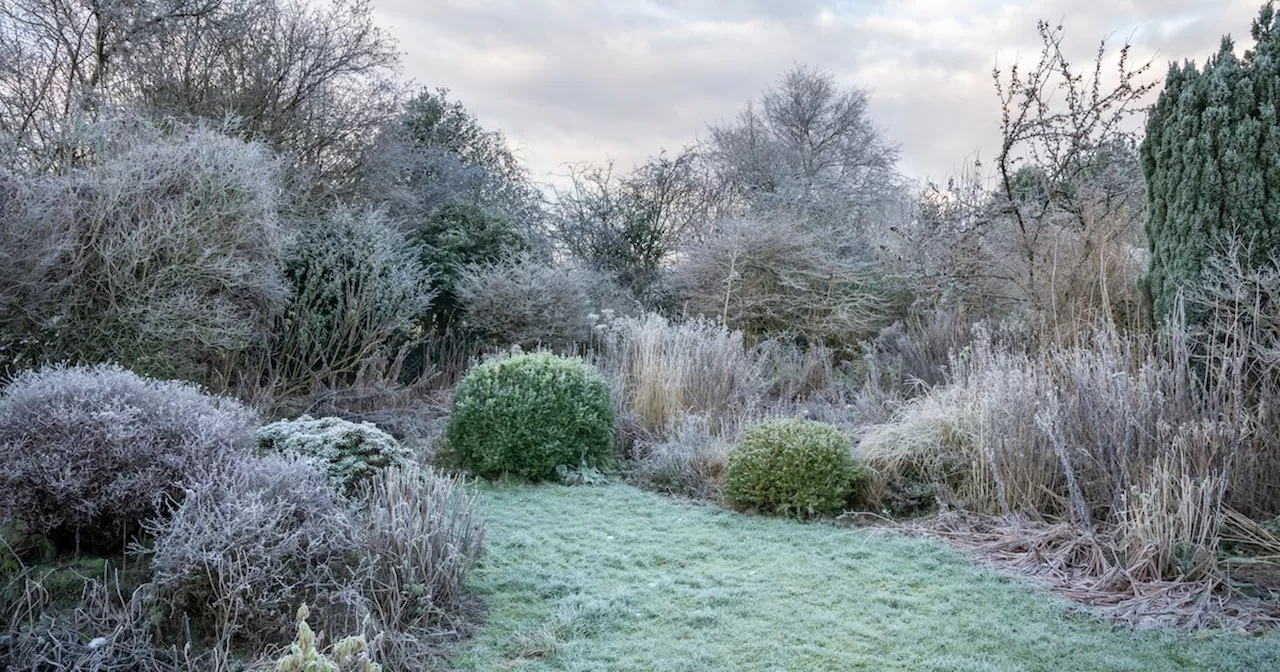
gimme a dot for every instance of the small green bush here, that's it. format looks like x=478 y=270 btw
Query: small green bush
x=792 y=467
x=349 y=452
x=527 y=414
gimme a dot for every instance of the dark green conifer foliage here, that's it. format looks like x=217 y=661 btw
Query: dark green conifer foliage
x=1212 y=162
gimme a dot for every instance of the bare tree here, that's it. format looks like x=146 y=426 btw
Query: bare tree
x=809 y=148
x=61 y=58
x=1057 y=227
x=312 y=81
x=630 y=225
x=1071 y=164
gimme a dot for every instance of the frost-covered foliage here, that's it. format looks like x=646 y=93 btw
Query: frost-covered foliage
x=252 y=541
x=163 y=253
x=436 y=154
x=90 y=452
x=349 y=452
x=531 y=303
x=1210 y=157
x=768 y=277
x=528 y=414
x=357 y=283
x=458 y=235
x=423 y=535
x=349 y=654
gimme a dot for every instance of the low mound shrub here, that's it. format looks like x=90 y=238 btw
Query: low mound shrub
x=90 y=452
x=792 y=467
x=349 y=452
x=527 y=414
x=247 y=544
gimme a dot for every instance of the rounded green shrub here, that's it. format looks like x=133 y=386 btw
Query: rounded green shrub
x=348 y=452
x=527 y=414
x=791 y=467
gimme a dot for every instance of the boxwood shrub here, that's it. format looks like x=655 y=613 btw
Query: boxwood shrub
x=793 y=468
x=526 y=414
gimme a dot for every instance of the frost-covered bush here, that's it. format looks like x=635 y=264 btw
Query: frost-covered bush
x=349 y=452
x=530 y=303
x=357 y=283
x=90 y=452
x=777 y=276
x=528 y=414
x=251 y=542
x=792 y=467
x=162 y=252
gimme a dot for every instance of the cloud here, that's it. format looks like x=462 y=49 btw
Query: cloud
x=575 y=80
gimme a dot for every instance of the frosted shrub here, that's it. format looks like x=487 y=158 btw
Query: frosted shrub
x=792 y=467
x=349 y=452
x=163 y=255
x=90 y=452
x=251 y=542
x=530 y=303
x=357 y=283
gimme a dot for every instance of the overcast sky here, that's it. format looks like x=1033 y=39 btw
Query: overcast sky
x=577 y=80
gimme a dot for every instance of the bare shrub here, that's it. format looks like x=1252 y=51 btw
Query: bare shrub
x=90 y=452
x=662 y=370
x=630 y=226
x=531 y=303
x=423 y=534
x=164 y=254
x=771 y=277
x=109 y=630
x=248 y=544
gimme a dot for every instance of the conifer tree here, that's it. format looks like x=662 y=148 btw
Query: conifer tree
x=1212 y=162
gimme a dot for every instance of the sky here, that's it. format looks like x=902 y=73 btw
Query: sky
x=581 y=80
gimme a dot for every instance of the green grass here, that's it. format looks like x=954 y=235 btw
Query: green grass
x=612 y=578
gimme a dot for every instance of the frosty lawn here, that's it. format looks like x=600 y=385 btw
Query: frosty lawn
x=613 y=578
